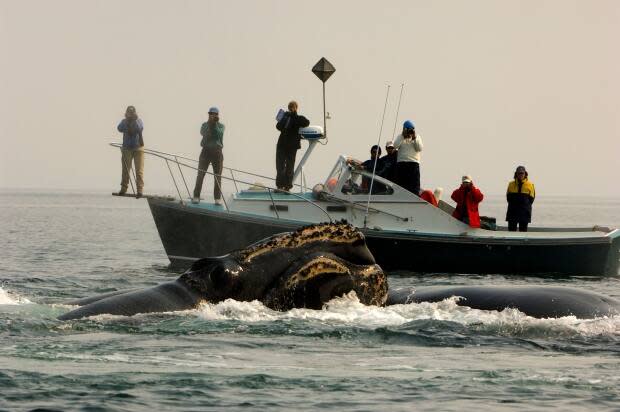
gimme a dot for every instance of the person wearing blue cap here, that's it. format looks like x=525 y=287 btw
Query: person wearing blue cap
x=409 y=146
x=212 y=143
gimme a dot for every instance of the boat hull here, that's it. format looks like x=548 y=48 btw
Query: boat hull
x=189 y=233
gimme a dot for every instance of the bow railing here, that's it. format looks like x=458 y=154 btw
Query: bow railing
x=182 y=162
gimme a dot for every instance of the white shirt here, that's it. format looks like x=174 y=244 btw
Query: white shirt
x=408 y=149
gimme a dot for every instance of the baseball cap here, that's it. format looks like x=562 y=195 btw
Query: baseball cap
x=408 y=125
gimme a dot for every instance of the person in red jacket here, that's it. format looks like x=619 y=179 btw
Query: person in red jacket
x=467 y=198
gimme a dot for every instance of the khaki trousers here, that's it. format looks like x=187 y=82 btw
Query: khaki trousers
x=137 y=155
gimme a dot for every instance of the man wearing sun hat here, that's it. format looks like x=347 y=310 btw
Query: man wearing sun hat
x=212 y=143
x=467 y=198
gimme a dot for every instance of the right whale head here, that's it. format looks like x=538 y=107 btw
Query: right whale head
x=304 y=268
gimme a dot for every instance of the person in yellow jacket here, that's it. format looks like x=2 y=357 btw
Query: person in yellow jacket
x=520 y=196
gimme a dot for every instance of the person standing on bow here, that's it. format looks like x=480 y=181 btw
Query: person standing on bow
x=212 y=143
x=409 y=146
x=133 y=150
x=288 y=144
x=520 y=196
x=467 y=198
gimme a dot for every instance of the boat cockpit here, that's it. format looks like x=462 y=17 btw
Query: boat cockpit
x=349 y=180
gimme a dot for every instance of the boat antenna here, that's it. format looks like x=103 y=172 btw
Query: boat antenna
x=374 y=167
x=402 y=86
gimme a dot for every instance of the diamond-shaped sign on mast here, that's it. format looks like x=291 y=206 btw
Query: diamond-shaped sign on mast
x=323 y=69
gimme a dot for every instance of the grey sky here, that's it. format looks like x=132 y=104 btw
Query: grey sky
x=490 y=85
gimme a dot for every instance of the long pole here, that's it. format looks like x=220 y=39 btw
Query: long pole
x=324 y=114
x=402 y=86
x=374 y=167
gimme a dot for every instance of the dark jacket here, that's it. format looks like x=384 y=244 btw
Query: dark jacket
x=388 y=166
x=520 y=196
x=369 y=165
x=289 y=127
x=467 y=202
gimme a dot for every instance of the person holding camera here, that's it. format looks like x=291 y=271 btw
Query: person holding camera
x=467 y=198
x=212 y=143
x=288 y=144
x=409 y=146
x=133 y=150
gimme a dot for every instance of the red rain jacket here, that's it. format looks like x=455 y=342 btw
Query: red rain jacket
x=471 y=200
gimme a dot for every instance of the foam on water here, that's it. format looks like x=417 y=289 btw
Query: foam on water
x=10 y=298
x=138 y=359
x=348 y=311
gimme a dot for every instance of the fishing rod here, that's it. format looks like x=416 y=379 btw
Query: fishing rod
x=402 y=86
x=374 y=167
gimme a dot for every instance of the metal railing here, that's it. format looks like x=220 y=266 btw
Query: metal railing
x=181 y=161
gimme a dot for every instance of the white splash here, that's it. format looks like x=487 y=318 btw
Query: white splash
x=348 y=311
x=10 y=298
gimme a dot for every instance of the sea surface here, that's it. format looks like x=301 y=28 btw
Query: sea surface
x=244 y=356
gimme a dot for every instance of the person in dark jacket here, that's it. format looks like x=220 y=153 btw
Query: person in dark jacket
x=133 y=150
x=467 y=198
x=389 y=162
x=288 y=144
x=212 y=132
x=369 y=166
x=520 y=196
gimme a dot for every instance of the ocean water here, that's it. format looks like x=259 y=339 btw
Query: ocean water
x=244 y=356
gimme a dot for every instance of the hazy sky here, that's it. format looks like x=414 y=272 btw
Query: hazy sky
x=490 y=85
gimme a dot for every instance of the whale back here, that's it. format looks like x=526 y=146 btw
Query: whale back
x=166 y=297
x=535 y=301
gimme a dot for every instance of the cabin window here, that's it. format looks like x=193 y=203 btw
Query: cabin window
x=279 y=208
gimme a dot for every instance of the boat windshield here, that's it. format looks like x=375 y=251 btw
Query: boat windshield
x=349 y=178
x=359 y=183
x=334 y=177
